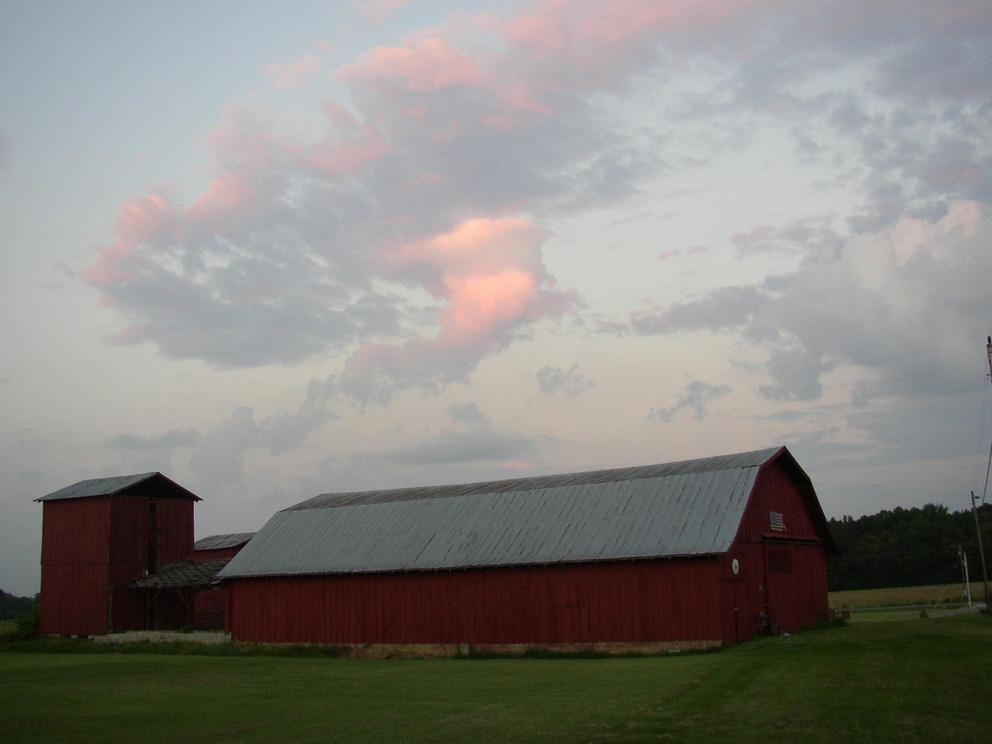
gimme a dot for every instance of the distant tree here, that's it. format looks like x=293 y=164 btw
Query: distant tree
x=906 y=547
x=12 y=607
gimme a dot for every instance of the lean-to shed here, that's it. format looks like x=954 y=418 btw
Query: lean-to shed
x=98 y=537
x=691 y=553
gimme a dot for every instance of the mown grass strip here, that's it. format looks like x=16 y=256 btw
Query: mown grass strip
x=918 y=680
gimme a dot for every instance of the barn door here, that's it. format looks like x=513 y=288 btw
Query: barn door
x=780 y=587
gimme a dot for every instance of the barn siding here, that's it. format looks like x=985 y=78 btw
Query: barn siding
x=73 y=600
x=634 y=602
x=93 y=548
x=75 y=532
x=74 y=552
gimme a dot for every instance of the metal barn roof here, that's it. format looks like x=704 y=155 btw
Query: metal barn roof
x=185 y=574
x=684 y=508
x=94 y=487
x=219 y=542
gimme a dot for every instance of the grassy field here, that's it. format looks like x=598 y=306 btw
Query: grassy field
x=936 y=595
x=903 y=681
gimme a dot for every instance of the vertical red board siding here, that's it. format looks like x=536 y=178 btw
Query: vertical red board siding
x=73 y=600
x=209 y=555
x=635 y=602
x=211 y=609
x=93 y=548
x=175 y=530
x=74 y=554
x=777 y=490
x=782 y=573
x=129 y=555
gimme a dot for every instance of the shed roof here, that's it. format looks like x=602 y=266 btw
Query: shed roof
x=692 y=507
x=220 y=542
x=185 y=574
x=154 y=484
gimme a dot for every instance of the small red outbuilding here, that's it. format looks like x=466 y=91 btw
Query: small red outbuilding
x=685 y=554
x=99 y=536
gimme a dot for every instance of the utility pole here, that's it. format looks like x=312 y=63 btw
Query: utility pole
x=963 y=557
x=981 y=554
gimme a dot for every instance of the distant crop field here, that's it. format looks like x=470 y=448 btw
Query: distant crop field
x=901 y=596
x=880 y=682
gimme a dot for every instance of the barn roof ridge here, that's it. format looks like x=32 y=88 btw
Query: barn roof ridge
x=749 y=459
x=692 y=507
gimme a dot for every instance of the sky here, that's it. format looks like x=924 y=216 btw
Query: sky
x=335 y=246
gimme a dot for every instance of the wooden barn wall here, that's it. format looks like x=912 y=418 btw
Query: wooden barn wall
x=625 y=602
x=129 y=558
x=211 y=609
x=130 y=530
x=74 y=553
x=176 y=530
x=93 y=548
x=75 y=532
x=782 y=573
x=73 y=600
x=209 y=555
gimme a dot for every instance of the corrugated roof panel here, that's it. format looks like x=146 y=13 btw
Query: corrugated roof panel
x=97 y=487
x=219 y=542
x=688 y=508
x=152 y=484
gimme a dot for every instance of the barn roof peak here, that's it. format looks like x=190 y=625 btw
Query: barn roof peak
x=140 y=484
x=738 y=461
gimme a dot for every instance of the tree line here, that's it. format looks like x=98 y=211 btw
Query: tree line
x=907 y=547
x=13 y=607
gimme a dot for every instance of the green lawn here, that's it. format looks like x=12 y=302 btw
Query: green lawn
x=906 y=681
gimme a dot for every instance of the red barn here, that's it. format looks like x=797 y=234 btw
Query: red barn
x=98 y=537
x=686 y=554
x=214 y=552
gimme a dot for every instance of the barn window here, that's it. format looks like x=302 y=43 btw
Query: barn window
x=779 y=561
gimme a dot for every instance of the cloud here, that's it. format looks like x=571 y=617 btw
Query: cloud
x=219 y=460
x=489 y=273
x=468 y=414
x=406 y=236
x=170 y=440
x=569 y=381
x=465 y=135
x=907 y=305
x=474 y=442
x=698 y=394
x=292 y=74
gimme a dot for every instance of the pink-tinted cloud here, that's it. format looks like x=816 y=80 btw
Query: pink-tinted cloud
x=454 y=149
x=432 y=176
x=489 y=273
x=421 y=65
x=349 y=145
x=292 y=74
x=588 y=43
x=145 y=220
